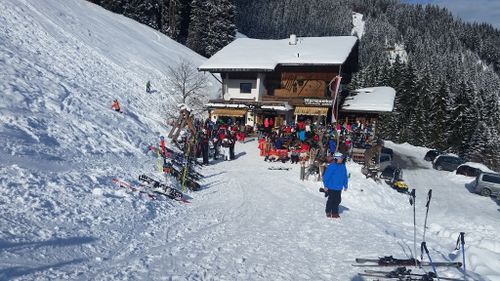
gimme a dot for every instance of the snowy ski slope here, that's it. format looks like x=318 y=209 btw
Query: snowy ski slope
x=61 y=65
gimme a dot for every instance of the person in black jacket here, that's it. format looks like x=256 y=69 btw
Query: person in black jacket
x=204 y=146
x=231 y=145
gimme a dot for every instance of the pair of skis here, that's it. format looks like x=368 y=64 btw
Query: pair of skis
x=134 y=188
x=391 y=261
x=152 y=188
x=402 y=273
x=162 y=189
x=279 y=168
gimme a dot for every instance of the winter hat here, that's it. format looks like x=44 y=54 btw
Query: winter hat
x=338 y=155
x=162 y=138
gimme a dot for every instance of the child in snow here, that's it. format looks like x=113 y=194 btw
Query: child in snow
x=116 y=106
x=225 y=147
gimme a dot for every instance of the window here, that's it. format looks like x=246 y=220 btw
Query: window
x=493 y=179
x=245 y=88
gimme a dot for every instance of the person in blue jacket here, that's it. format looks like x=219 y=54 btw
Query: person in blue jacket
x=332 y=146
x=334 y=180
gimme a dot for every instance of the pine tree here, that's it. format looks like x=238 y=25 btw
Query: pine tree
x=197 y=34
x=463 y=119
x=439 y=113
x=407 y=101
x=221 y=27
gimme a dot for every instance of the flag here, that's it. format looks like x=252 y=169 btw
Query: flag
x=334 y=89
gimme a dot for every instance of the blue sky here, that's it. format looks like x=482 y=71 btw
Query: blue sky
x=469 y=10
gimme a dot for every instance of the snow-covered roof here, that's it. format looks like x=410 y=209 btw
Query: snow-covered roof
x=226 y=105
x=479 y=166
x=247 y=54
x=375 y=99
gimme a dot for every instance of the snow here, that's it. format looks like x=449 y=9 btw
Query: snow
x=398 y=51
x=226 y=105
x=265 y=55
x=376 y=99
x=358 y=23
x=63 y=219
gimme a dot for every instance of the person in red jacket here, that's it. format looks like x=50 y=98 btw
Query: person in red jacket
x=162 y=145
x=116 y=106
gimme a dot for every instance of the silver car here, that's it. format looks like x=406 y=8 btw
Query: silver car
x=488 y=184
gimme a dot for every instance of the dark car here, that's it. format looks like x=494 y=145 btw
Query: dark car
x=389 y=172
x=432 y=154
x=468 y=171
x=447 y=162
x=387 y=150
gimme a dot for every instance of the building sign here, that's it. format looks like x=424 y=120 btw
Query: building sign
x=323 y=102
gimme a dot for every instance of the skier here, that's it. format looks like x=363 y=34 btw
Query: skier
x=334 y=180
x=116 y=106
x=148 y=87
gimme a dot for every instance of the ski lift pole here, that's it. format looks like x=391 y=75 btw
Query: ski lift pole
x=412 y=202
x=423 y=247
x=429 y=196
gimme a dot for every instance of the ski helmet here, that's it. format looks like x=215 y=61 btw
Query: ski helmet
x=338 y=155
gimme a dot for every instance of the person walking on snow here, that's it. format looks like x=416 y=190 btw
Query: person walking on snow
x=334 y=180
x=204 y=146
x=162 y=145
x=148 y=87
x=116 y=106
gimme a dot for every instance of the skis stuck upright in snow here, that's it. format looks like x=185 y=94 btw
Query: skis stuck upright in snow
x=390 y=261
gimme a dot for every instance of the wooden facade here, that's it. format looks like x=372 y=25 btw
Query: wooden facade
x=294 y=83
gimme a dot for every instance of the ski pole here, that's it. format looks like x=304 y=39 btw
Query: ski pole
x=412 y=202
x=461 y=243
x=429 y=196
x=423 y=248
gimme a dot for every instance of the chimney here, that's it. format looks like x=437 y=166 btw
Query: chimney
x=293 y=39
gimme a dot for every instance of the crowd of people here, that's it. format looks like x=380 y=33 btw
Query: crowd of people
x=217 y=139
x=305 y=140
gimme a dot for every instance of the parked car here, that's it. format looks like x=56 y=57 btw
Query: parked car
x=472 y=169
x=384 y=161
x=447 y=162
x=389 y=173
x=432 y=154
x=468 y=171
x=488 y=184
x=387 y=150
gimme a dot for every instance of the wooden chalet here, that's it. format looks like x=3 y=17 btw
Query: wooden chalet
x=281 y=79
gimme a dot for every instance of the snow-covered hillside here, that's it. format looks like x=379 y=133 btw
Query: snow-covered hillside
x=63 y=62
